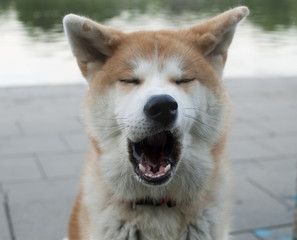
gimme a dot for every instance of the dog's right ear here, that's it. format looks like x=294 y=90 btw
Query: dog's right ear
x=91 y=43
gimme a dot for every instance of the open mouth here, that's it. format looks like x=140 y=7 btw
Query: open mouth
x=155 y=157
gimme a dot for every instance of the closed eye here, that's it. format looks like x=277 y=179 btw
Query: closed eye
x=185 y=80
x=130 y=81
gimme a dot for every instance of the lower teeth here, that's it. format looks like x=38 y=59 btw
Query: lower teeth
x=152 y=176
x=142 y=169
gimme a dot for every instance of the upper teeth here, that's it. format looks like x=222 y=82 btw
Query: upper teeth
x=167 y=168
x=141 y=168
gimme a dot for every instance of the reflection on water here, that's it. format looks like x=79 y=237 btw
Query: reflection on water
x=34 y=51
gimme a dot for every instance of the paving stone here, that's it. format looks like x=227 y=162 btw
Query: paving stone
x=278 y=126
x=243 y=149
x=29 y=106
x=272 y=109
x=252 y=207
x=244 y=236
x=9 y=92
x=242 y=112
x=16 y=169
x=285 y=145
x=274 y=234
x=52 y=113
x=69 y=164
x=72 y=101
x=5 y=104
x=49 y=126
x=4 y=230
x=278 y=177
x=61 y=91
x=275 y=88
x=241 y=87
x=9 y=113
x=50 y=101
x=41 y=210
x=5 y=94
x=41 y=92
x=242 y=129
x=68 y=107
x=77 y=141
x=37 y=144
x=9 y=128
x=272 y=118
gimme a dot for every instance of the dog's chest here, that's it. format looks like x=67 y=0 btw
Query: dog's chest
x=159 y=223
x=144 y=224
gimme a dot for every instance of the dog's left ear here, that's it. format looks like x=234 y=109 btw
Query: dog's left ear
x=91 y=43
x=214 y=36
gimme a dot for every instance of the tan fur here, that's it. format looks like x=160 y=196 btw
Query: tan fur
x=79 y=224
x=105 y=56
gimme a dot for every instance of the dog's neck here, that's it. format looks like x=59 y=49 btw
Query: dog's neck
x=153 y=202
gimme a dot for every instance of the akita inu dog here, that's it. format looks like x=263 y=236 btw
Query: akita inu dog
x=157 y=115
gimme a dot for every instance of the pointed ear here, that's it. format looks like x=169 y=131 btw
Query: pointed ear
x=91 y=43
x=215 y=36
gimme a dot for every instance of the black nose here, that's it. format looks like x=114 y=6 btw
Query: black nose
x=161 y=108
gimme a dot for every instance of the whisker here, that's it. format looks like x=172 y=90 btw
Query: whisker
x=112 y=128
x=99 y=116
x=201 y=110
x=213 y=106
x=199 y=135
x=116 y=118
x=203 y=113
x=200 y=121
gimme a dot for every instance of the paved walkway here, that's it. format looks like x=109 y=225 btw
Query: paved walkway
x=43 y=144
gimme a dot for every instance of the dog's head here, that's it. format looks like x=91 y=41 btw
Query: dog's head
x=155 y=98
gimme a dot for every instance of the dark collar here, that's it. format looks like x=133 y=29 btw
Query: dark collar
x=152 y=202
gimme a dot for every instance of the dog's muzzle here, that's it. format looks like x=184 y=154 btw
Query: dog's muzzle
x=155 y=157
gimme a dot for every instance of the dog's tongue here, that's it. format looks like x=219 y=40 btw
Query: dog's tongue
x=152 y=157
x=158 y=140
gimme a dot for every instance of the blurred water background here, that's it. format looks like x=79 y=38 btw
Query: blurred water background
x=34 y=51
